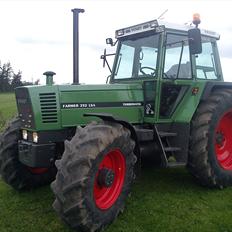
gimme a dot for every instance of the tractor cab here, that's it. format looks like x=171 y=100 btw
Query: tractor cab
x=170 y=61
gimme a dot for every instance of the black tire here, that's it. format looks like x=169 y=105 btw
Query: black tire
x=77 y=169
x=12 y=171
x=203 y=163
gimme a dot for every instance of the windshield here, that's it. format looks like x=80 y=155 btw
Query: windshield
x=137 y=58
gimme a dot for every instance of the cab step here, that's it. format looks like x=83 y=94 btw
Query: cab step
x=164 y=134
x=176 y=164
x=171 y=149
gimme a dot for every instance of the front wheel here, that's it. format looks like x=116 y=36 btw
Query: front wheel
x=94 y=176
x=210 y=153
x=13 y=172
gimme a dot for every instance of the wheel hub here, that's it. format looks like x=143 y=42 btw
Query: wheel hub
x=220 y=138
x=109 y=179
x=106 y=177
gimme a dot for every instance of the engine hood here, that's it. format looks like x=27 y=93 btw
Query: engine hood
x=60 y=106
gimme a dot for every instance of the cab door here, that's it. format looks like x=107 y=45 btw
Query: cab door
x=177 y=78
x=148 y=68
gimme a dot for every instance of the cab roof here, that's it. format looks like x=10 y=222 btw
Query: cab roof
x=159 y=26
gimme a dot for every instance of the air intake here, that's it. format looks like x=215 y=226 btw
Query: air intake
x=48 y=107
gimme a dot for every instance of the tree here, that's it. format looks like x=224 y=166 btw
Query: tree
x=16 y=80
x=37 y=82
x=6 y=73
x=9 y=80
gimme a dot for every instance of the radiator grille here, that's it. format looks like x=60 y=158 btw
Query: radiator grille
x=48 y=106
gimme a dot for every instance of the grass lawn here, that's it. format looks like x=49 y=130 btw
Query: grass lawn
x=7 y=107
x=161 y=200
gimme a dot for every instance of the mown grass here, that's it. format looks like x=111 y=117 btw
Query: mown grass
x=7 y=107
x=161 y=200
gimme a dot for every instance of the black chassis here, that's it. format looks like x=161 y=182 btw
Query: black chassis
x=51 y=143
x=50 y=147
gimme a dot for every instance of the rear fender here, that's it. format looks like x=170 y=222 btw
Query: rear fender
x=212 y=86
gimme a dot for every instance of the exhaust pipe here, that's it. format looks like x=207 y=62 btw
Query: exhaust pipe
x=76 y=12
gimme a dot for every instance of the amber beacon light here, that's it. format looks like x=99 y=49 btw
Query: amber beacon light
x=196 y=19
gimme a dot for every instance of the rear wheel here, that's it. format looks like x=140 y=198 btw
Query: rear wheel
x=94 y=176
x=210 y=153
x=13 y=172
x=223 y=141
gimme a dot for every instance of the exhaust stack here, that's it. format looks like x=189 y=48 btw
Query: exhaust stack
x=76 y=12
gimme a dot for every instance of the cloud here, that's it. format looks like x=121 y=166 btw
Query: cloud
x=38 y=34
x=226 y=51
x=34 y=41
x=93 y=46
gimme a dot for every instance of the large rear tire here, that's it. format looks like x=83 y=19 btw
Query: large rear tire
x=94 y=176
x=12 y=171
x=210 y=152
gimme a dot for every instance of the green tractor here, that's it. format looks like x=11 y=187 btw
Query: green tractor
x=165 y=96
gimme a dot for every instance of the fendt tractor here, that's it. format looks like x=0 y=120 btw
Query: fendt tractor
x=165 y=95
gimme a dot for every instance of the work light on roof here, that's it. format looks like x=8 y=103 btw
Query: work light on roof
x=153 y=24
x=120 y=33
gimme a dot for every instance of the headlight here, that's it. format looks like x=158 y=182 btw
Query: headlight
x=25 y=134
x=35 y=137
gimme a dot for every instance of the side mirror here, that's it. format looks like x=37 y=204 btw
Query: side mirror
x=110 y=41
x=195 y=45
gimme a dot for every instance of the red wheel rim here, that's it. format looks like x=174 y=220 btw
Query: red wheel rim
x=38 y=170
x=104 y=196
x=223 y=141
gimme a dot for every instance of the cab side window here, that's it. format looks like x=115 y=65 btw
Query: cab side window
x=205 y=64
x=177 y=58
x=148 y=59
x=125 y=65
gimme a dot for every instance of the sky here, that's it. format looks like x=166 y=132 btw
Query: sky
x=36 y=36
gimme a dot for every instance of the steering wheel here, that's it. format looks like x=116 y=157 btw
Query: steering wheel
x=150 y=68
x=166 y=75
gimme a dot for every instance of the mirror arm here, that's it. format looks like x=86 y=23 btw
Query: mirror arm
x=108 y=65
x=111 y=42
x=179 y=41
x=181 y=54
x=105 y=61
x=115 y=42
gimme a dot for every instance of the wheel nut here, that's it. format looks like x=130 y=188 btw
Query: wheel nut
x=106 y=177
